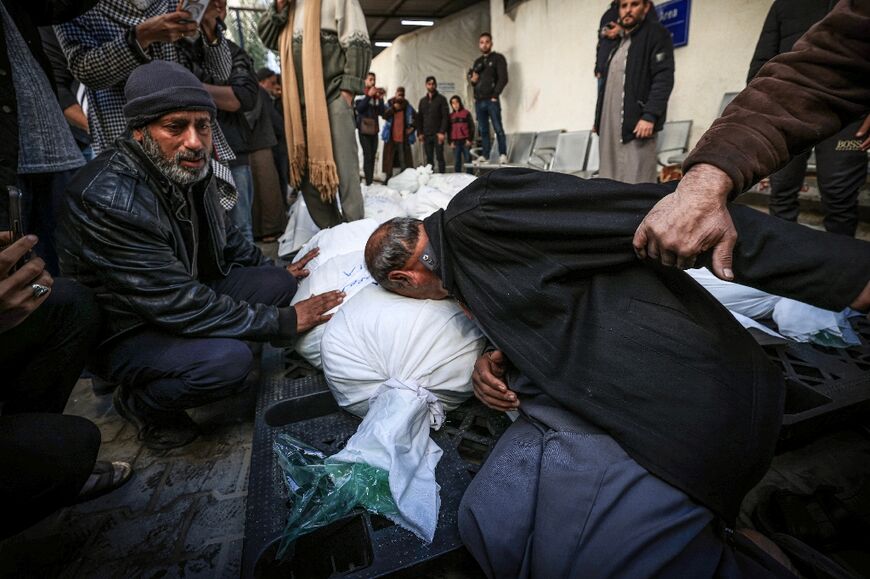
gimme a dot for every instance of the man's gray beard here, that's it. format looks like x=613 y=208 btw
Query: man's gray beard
x=141 y=5
x=172 y=169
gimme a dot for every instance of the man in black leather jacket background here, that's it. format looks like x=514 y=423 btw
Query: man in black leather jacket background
x=180 y=287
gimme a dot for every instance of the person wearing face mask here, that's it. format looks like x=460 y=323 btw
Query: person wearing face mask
x=633 y=95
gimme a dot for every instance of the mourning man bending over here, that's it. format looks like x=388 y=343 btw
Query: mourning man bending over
x=647 y=411
x=180 y=286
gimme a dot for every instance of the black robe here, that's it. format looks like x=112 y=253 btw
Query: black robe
x=544 y=261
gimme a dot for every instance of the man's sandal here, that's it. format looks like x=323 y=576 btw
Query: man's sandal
x=106 y=477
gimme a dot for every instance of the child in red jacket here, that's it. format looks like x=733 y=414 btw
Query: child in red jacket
x=461 y=132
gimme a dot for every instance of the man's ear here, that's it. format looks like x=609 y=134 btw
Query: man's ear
x=404 y=279
x=138 y=135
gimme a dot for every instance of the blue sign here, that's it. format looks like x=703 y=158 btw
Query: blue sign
x=674 y=16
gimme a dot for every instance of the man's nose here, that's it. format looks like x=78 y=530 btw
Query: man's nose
x=193 y=139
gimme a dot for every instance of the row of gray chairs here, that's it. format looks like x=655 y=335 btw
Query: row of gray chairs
x=576 y=152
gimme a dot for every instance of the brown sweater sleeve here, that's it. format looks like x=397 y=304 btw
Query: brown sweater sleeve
x=797 y=99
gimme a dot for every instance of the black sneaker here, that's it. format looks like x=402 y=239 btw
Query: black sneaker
x=158 y=429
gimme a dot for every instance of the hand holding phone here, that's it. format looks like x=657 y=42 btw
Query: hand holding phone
x=16 y=223
x=24 y=290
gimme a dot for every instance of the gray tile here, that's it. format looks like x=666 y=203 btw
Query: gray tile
x=216 y=520
x=151 y=535
x=200 y=475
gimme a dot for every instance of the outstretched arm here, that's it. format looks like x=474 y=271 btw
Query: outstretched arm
x=797 y=99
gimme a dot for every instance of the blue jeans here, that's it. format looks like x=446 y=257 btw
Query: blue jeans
x=241 y=213
x=490 y=110
x=460 y=153
x=171 y=372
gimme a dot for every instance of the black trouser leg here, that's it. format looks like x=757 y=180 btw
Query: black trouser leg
x=439 y=154
x=169 y=372
x=46 y=460
x=841 y=170
x=41 y=358
x=369 y=144
x=429 y=147
x=785 y=186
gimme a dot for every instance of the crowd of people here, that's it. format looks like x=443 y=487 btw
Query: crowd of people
x=149 y=153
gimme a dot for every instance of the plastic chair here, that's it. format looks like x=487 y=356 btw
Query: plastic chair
x=571 y=152
x=672 y=142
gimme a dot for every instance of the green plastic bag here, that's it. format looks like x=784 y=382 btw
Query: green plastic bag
x=322 y=491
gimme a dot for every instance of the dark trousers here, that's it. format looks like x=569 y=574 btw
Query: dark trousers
x=488 y=110
x=369 y=144
x=434 y=150
x=841 y=170
x=46 y=457
x=582 y=507
x=41 y=358
x=397 y=155
x=460 y=154
x=46 y=460
x=171 y=372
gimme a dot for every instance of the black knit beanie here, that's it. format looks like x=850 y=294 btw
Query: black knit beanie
x=162 y=87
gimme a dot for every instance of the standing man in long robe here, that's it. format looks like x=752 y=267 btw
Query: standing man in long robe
x=633 y=95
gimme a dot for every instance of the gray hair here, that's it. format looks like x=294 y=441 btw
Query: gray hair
x=389 y=247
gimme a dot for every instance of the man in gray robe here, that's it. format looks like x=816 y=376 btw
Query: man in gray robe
x=633 y=97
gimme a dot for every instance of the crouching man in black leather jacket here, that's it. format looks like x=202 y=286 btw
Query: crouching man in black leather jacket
x=180 y=287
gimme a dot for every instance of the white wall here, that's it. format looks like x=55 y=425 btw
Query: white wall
x=550 y=49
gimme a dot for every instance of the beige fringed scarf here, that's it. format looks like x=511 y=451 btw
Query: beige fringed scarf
x=317 y=149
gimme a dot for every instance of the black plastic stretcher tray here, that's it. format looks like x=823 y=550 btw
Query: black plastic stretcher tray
x=360 y=545
x=826 y=387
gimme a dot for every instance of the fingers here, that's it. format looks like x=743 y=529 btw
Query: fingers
x=488 y=384
x=326 y=301
x=312 y=312
x=864 y=132
x=307 y=257
x=723 y=256
x=640 y=240
x=13 y=254
x=686 y=261
x=5 y=238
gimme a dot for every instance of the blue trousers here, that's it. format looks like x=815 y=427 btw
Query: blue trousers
x=460 y=154
x=242 y=213
x=489 y=110
x=171 y=372
x=581 y=507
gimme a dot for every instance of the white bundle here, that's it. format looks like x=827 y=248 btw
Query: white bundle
x=340 y=265
x=401 y=363
x=451 y=183
x=426 y=201
x=300 y=228
x=382 y=203
x=795 y=320
x=409 y=180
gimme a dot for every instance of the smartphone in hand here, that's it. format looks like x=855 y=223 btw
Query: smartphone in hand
x=195 y=7
x=16 y=221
